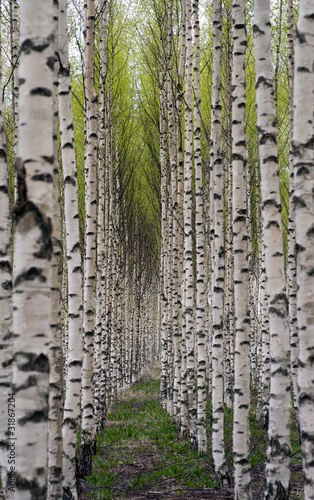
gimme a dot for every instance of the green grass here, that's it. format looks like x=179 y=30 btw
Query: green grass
x=139 y=426
x=140 y=448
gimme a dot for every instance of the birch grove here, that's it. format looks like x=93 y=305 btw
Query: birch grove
x=156 y=210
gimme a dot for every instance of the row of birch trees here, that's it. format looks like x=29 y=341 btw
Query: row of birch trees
x=78 y=246
x=156 y=202
x=236 y=183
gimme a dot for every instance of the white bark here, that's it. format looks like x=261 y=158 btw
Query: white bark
x=55 y=354
x=304 y=217
x=277 y=470
x=217 y=255
x=33 y=247
x=291 y=268
x=5 y=300
x=200 y=247
x=241 y=436
x=88 y=437
x=14 y=33
x=188 y=307
x=55 y=348
x=74 y=320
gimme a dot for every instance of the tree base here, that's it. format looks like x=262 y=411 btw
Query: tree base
x=86 y=462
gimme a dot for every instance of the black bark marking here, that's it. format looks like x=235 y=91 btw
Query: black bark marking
x=68 y=145
x=44 y=177
x=279 y=305
x=21 y=182
x=28 y=46
x=49 y=159
x=41 y=91
x=257 y=30
x=5 y=266
x=310 y=232
x=87 y=451
x=69 y=179
x=38 y=492
x=30 y=275
x=34 y=362
x=299 y=202
x=7 y=285
x=35 y=416
x=263 y=81
x=51 y=61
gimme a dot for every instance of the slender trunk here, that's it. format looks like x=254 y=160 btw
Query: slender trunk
x=164 y=239
x=277 y=470
x=200 y=247
x=101 y=244
x=303 y=140
x=74 y=282
x=291 y=270
x=5 y=301
x=217 y=255
x=14 y=33
x=241 y=436
x=88 y=437
x=55 y=348
x=188 y=247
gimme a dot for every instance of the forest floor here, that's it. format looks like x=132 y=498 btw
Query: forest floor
x=140 y=455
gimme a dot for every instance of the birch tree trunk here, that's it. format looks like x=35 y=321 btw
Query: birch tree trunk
x=14 y=33
x=88 y=438
x=291 y=268
x=188 y=249
x=182 y=396
x=200 y=244
x=5 y=301
x=241 y=436
x=56 y=403
x=164 y=238
x=176 y=303
x=72 y=408
x=55 y=353
x=33 y=247
x=303 y=141
x=101 y=244
x=216 y=163
x=277 y=470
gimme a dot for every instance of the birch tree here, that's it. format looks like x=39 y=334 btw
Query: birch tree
x=303 y=141
x=291 y=269
x=216 y=166
x=14 y=35
x=73 y=359
x=277 y=470
x=88 y=437
x=240 y=255
x=33 y=247
x=188 y=308
x=200 y=244
x=5 y=300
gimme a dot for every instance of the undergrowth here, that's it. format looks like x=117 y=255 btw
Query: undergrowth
x=140 y=450
x=139 y=427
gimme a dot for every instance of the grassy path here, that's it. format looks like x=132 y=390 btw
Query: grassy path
x=141 y=456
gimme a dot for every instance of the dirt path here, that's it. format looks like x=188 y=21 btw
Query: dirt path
x=141 y=456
